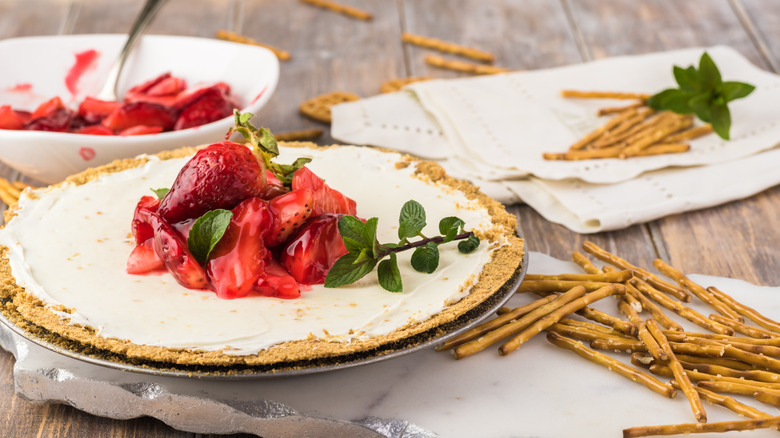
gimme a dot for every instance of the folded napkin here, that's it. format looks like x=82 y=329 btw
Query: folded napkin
x=493 y=130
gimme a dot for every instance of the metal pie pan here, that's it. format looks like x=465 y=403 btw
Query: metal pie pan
x=418 y=342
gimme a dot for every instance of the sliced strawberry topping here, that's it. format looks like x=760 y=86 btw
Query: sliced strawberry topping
x=309 y=255
x=143 y=259
x=50 y=116
x=218 y=176
x=12 y=119
x=239 y=258
x=276 y=282
x=167 y=86
x=128 y=115
x=211 y=106
x=326 y=199
x=172 y=249
x=95 y=110
x=94 y=130
x=289 y=211
x=140 y=130
x=141 y=226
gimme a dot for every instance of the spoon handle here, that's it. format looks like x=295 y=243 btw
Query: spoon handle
x=149 y=11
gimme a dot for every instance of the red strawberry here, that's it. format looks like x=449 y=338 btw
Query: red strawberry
x=309 y=255
x=143 y=92
x=211 y=106
x=94 y=130
x=50 y=116
x=218 y=176
x=289 y=212
x=95 y=110
x=188 y=96
x=237 y=261
x=168 y=86
x=326 y=199
x=12 y=119
x=140 y=130
x=143 y=259
x=141 y=226
x=128 y=115
x=276 y=282
x=172 y=249
x=275 y=186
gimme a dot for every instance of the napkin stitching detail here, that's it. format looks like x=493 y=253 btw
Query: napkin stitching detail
x=367 y=122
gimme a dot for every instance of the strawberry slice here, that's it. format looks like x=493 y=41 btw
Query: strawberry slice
x=95 y=110
x=128 y=115
x=12 y=119
x=167 y=86
x=218 y=176
x=211 y=106
x=188 y=96
x=172 y=249
x=238 y=260
x=50 y=116
x=143 y=259
x=94 y=130
x=276 y=282
x=310 y=254
x=141 y=226
x=140 y=130
x=275 y=186
x=289 y=212
x=326 y=199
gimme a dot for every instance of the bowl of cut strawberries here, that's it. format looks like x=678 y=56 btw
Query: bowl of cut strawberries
x=174 y=91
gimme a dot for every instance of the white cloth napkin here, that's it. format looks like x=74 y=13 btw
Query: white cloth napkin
x=493 y=130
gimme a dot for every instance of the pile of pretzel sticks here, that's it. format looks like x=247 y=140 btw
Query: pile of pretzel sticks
x=10 y=191
x=736 y=350
x=635 y=130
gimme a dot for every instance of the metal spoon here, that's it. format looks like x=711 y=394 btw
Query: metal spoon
x=149 y=11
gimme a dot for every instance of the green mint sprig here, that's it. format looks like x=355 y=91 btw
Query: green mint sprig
x=265 y=146
x=702 y=92
x=206 y=232
x=365 y=252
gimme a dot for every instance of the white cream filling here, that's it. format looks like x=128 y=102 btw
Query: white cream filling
x=70 y=247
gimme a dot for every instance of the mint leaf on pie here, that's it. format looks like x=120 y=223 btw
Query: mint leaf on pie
x=206 y=233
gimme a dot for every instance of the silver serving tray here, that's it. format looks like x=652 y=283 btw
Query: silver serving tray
x=463 y=323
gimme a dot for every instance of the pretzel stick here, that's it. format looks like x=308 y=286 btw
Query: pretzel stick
x=774 y=342
x=739 y=388
x=476 y=345
x=695 y=360
x=598 y=132
x=580 y=259
x=678 y=371
x=690 y=134
x=21 y=185
x=7 y=198
x=9 y=187
x=684 y=311
x=609 y=277
x=349 y=11
x=642 y=333
x=696 y=376
x=643 y=360
x=618 y=324
x=612 y=364
x=663 y=148
x=447 y=47
x=751 y=358
x=581 y=333
x=727 y=402
x=633 y=149
x=485 y=327
x=578 y=94
x=696 y=289
x=751 y=332
x=619 y=109
x=685 y=428
x=554 y=317
x=303 y=134
x=650 y=278
x=652 y=308
x=608 y=330
x=746 y=311
x=561 y=285
x=642 y=129
x=609 y=137
x=585 y=154
x=466 y=67
x=769 y=398
x=226 y=35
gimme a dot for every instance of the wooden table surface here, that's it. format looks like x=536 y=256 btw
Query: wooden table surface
x=330 y=51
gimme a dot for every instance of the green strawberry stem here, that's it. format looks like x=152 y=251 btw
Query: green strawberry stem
x=387 y=250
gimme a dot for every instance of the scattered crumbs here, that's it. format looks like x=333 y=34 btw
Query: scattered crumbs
x=99 y=212
x=445 y=278
x=401 y=164
x=353 y=305
x=326 y=332
x=234 y=311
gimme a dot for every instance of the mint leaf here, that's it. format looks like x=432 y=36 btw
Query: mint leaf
x=206 y=232
x=468 y=245
x=352 y=228
x=709 y=75
x=449 y=227
x=734 y=90
x=161 y=192
x=720 y=119
x=672 y=100
x=700 y=105
x=347 y=271
x=687 y=78
x=426 y=258
x=411 y=221
x=389 y=275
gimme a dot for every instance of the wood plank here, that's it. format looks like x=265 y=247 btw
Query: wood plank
x=329 y=52
x=25 y=18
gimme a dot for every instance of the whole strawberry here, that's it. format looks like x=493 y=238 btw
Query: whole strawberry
x=218 y=176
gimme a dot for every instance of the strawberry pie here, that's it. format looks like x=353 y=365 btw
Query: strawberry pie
x=240 y=254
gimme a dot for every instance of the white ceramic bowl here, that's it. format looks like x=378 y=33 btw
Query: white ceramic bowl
x=33 y=70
